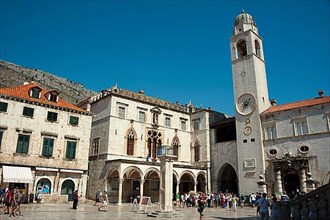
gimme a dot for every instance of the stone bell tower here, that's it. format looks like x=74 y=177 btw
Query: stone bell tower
x=250 y=98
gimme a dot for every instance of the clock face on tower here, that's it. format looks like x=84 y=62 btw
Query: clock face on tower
x=245 y=104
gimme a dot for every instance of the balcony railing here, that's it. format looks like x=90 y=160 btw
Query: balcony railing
x=314 y=205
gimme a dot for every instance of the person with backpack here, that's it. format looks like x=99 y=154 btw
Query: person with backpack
x=262 y=207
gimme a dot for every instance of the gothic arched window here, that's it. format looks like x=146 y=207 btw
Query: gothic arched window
x=241 y=49
x=197 y=151
x=130 y=142
x=175 y=145
x=257 y=48
x=154 y=141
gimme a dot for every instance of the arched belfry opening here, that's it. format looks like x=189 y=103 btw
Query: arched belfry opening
x=241 y=49
x=227 y=179
x=257 y=48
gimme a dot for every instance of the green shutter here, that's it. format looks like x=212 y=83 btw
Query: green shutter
x=23 y=143
x=47 y=149
x=71 y=149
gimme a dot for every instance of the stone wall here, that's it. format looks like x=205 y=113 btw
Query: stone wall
x=14 y=75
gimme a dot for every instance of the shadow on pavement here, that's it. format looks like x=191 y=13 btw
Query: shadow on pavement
x=227 y=218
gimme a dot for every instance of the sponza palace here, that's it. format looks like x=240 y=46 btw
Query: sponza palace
x=110 y=140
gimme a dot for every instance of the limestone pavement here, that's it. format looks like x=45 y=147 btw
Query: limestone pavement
x=90 y=212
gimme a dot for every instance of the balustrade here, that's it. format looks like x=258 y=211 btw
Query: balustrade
x=314 y=205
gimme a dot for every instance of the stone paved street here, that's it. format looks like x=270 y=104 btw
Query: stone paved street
x=88 y=211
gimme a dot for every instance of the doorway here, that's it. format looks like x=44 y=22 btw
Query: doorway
x=291 y=182
x=68 y=189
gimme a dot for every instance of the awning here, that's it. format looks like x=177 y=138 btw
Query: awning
x=13 y=174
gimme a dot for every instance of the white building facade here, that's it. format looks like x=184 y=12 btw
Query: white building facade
x=44 y=143
x=127 y=130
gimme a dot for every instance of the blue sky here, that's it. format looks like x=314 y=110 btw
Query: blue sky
x=173 y=50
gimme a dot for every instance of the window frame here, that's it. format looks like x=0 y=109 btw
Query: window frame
x=144 y=116
x=71 y=151
x=22 y=147
x=167 y=121
x=300 y=126
x=50 y=119
x=122 y=112
x=3 y=106
x=95 y=146
x=71 y=122
x=197 y=152
x=28 y=112
x=35 y=93
x=183 y=125
x=196 y=124
x=46 y=148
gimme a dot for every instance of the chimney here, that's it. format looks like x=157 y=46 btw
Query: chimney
x=273 y=102
x=141 y=91
x=321 y=93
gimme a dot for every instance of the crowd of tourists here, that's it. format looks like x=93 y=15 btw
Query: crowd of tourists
x=265 y=205
x=11 y=200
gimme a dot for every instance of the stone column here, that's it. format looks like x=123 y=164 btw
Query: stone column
x=83 y=186
x=178 y=187
x=56 y=183
x=120 y=191
x=205 y=187
x=33 y=190
x=59 y=184
x=195 y=186
x=302 y=178
x=141 y=189
x=278 y=182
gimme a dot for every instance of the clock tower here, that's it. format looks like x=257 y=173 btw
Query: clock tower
x=251 y=98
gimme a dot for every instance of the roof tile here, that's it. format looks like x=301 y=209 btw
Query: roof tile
x=22 y=92
x=299 y=104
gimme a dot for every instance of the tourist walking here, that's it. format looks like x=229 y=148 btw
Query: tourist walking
x=262 y=207
x=234 y=201
x=75 y=199
x=253 y=199
x=19 y=198
x=13 y=204
x=200 y=209
x=274 y=208
x=135 y=202
x=7 y=198
x=97 y=197
x=242 y=200
x=104 y=201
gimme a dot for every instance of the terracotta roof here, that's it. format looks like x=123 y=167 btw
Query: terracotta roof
x=299 y=104
x=22 y=92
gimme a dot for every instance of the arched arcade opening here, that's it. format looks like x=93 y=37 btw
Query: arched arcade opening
x=227 y=179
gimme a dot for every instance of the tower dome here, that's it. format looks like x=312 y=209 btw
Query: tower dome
x=244 y=22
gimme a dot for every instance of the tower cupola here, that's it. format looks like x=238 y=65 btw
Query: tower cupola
x=244 y=22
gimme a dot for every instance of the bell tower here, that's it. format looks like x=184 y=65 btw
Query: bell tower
x=250 y=98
